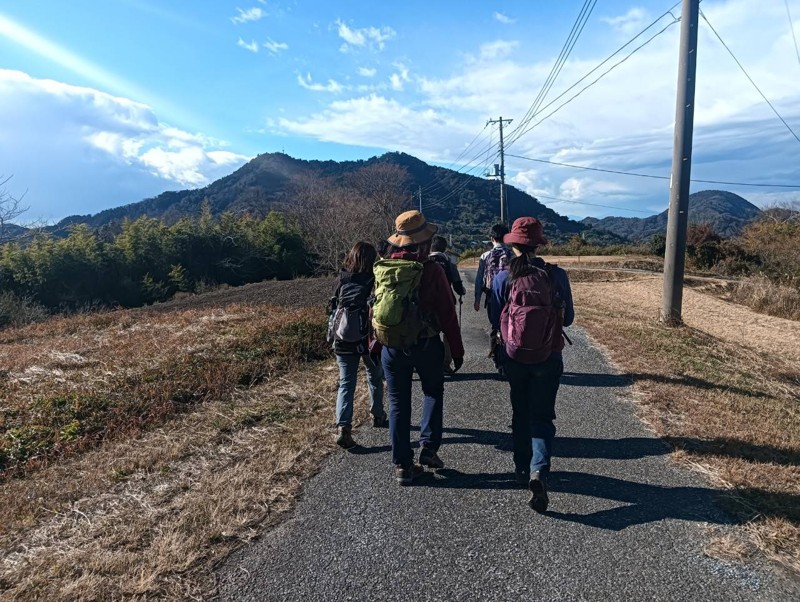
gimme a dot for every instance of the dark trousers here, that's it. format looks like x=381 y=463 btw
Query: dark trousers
x=533 y=404
x=398 y=365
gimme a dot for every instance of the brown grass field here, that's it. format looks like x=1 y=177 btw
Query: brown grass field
x=140 y=447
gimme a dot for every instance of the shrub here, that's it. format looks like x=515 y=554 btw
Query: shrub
x=18 y=311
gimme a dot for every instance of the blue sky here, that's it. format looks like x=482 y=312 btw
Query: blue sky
x=104 y=103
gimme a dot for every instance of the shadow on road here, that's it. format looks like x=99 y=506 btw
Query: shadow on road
x=642 y=503
x=590 y=379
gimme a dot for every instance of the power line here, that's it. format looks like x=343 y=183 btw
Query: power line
x=642 y=175
x=554 y=198
x=774 y=110
x=791 y=27
x=566 y=50
x=518 y=132
x=582 y=90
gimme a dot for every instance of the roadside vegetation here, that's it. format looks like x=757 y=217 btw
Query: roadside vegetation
x=140 y=446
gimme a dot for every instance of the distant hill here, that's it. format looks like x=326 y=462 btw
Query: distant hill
x=463 y=204
x=11 y=232
x=728 y=213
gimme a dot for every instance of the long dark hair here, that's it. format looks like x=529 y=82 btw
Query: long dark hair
x=521 y=265
x=361 y=258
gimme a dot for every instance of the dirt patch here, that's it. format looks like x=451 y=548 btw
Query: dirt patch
x=716 y=317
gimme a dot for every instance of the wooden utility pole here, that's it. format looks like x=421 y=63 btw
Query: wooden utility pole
x=678 y=220
x=502 y=174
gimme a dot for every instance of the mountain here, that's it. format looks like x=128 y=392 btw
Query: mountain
x=9 y=232
x=464 y=205
x=727 y=212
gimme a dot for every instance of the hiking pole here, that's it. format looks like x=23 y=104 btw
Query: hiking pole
x=460 y=307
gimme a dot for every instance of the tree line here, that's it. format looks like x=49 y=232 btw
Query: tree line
x=145 y=260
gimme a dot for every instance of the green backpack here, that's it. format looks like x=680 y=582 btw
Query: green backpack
x=396 y=317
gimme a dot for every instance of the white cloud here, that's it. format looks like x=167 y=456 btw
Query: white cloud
x=504 y=19
x=398 y=80
x=252 y=46
x=332 y=85
x=367 y=71
x=61 y=133
x=630 y=23
x=498 y=49
x=365 y=37
x=378 y=122
x=249 y=15
x=275 y=47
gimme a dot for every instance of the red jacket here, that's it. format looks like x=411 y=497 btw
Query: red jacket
x=435 y=298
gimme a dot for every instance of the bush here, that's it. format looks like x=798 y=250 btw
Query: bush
x=767 y=297
x=18 y=311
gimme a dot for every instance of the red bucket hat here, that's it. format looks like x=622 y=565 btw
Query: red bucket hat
x=526 y=231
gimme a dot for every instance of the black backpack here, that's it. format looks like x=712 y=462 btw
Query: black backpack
x=349 y=314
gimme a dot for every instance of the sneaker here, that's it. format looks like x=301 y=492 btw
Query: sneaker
x=344 y=439
x=381 y=421
x=523 y=476
x=428 y=457
x=538 y=489
x=406 y=476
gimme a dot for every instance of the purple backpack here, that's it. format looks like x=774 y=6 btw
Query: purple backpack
x=497 y=261
x=531 y=322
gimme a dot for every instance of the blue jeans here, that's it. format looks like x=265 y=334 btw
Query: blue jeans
x=398 y=365
x=348 y=375
x=533 y=404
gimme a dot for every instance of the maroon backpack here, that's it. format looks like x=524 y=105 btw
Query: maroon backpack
x=531 y=322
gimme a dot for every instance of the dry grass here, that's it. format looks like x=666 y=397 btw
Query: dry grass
x=766 y=297
x=723 y=390
x=149 y=517
x=70 y=383
x=195 y=429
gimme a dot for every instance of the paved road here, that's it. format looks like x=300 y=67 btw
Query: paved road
x=623 y=523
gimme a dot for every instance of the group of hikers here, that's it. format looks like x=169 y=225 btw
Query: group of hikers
x=389 y=309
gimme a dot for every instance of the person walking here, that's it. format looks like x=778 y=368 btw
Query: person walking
x=349 y=330
x=532 y=302
x=491 y=263
x=439 y=255
x=413 y=303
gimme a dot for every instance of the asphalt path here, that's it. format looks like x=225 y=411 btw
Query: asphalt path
x=623 y=523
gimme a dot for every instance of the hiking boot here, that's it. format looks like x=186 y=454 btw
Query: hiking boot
x=406 y=476
x=345 y=439
x=523 y=476
x=381 y=421
x=538 y=488
x=428 y=457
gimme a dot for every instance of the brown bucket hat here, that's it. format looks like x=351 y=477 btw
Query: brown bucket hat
x=526 y=231
x=412 y=229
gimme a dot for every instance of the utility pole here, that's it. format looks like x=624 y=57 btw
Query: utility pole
x=420 y=199
x=678 y=220
x=502 y=174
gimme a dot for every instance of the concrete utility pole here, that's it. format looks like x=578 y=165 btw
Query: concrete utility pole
x=503 y=208
x=678 y=220
x=420 y=199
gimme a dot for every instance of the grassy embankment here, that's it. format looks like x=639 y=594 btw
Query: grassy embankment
x=139 y=447
x=723 y=390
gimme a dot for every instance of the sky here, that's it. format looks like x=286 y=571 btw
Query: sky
x=107 y=102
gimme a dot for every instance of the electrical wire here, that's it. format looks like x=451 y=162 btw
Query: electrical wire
x=518 y=132
x=566 y=50
x=791 y=27
x=582 y=90
x=642 y=175
x=554 y=198
x=747 y=75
